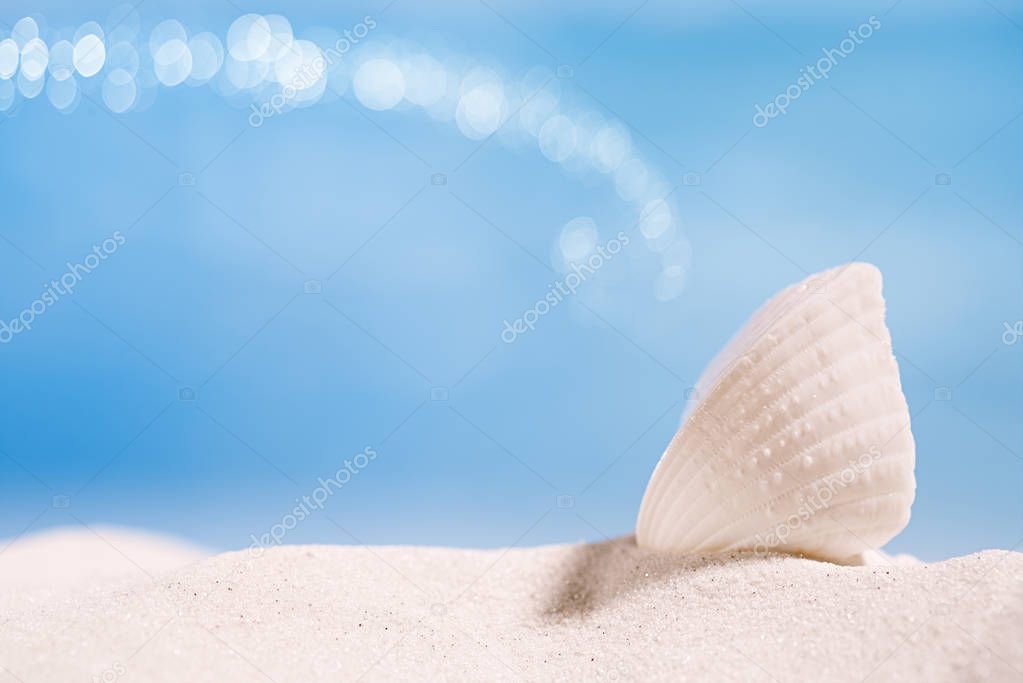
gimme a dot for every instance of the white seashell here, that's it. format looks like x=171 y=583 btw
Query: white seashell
x=798 y=438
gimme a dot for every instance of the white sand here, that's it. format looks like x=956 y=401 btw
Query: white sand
x=62 y=559
x=576 y=612
x=36 y=569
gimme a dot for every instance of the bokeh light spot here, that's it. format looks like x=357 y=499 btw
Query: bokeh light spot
x=558 y=138
x=35 y=56
x=611 y=146
x=172 y=62
x=164 y=32
x=9 y=58
x=119 y=91
x=426 y=80
x=89 y=56
x=578 y=239
x=207 y=57
x=29 y=88
x=62 y=60
x=124 y=56
x=480 y=111
x=62 y=93
x=24 y=30
x=301 y=67
x=8 y=93
x=655 y=219
x=249 y=37
x=670 y=283
x=89 y=27
x=379 y=84
x=281 y=37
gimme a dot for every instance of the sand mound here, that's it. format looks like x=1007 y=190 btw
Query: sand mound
x=65 y=558
x=577 y=612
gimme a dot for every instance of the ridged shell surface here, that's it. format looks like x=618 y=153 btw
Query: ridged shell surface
x=797 y=438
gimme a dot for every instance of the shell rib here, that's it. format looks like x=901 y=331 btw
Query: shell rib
x=797 y=438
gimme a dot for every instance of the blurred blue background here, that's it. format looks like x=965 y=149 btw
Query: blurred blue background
x=908 y=156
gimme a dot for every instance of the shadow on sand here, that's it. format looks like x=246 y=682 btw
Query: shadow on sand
x=596 y=573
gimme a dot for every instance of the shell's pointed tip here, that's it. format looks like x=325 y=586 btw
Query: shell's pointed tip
x=864 y=270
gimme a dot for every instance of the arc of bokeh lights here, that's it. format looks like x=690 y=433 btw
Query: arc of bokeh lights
x=263 y=66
